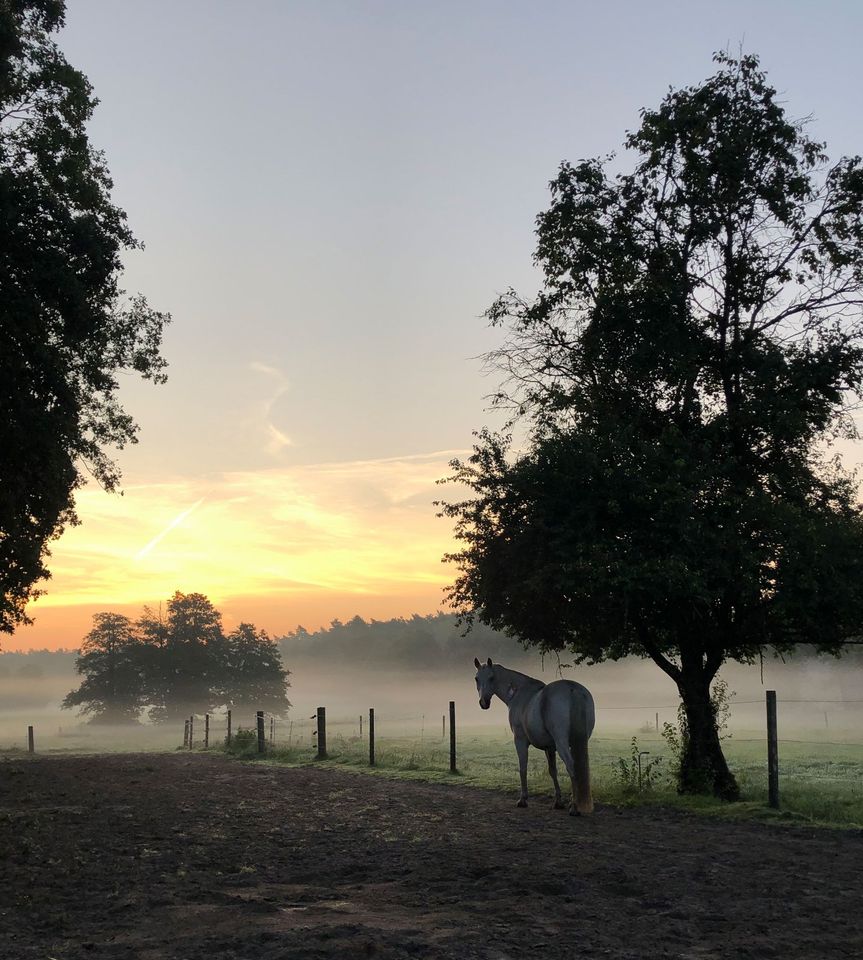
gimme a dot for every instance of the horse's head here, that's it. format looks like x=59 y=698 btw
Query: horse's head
x=484 y=682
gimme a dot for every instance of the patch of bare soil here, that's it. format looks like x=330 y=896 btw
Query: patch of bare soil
x=204 y=858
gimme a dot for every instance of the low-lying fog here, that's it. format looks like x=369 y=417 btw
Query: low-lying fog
x=629 y=695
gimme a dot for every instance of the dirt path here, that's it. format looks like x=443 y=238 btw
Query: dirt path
x=170 y=856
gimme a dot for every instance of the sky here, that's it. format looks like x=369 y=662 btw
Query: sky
x=330 y=195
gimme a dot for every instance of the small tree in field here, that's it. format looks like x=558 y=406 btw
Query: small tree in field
x=110 y=661
x=690 y=356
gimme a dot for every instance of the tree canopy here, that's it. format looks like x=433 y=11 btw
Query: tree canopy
x=176 y=664
x=692 y=353
x=66 y=328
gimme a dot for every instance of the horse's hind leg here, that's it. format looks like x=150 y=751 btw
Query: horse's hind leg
x=566 y=755
x=551 y=756
x=521 y=747
x=581 y=761
x=578 y=768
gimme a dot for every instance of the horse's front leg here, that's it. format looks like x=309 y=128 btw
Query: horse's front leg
x=551 y=756
x=521 y=746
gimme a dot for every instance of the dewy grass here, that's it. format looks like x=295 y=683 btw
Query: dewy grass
x=819 y=784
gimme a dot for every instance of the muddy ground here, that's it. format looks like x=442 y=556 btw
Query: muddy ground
x=191 y=857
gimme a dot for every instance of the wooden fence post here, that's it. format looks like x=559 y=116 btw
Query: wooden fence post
x=31 y=743
x=443 y=726
x=772 y=752
x=185 y=734
x=452 y=767
x=322 y=733
x=361 y=726
x=228 y=737
x=371 y=736
x=206 y=730
x=272 y=731
x=261 y=743
x=191 y=730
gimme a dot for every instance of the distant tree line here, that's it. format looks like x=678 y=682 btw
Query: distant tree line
x=36 y=664
x=174 y=664
x=416 y=642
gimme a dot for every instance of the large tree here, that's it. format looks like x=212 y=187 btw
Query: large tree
x=110 y=661
x=66 y=328
x=678 y=379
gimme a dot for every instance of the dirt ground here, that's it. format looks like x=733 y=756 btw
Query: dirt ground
x=190 y=857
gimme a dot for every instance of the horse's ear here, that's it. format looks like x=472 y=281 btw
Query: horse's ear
x=476 y=662
x=489 y=661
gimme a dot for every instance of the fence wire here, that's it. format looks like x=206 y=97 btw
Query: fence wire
x=419 y=742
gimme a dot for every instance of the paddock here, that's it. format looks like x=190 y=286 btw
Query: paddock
x=155 y=856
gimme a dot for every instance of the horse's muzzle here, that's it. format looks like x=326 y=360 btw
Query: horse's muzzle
x=485 y=704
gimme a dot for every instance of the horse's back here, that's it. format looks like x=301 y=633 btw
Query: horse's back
x=570 y=704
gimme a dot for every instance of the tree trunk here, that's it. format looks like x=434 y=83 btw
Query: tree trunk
x=703 y=768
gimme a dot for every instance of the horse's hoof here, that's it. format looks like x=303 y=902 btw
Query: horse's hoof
x=573 y=812
x=522 y=802
x=559 y=805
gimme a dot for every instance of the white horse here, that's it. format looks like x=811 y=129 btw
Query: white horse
x=558 y=717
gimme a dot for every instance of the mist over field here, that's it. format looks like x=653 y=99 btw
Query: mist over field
x=410 y=693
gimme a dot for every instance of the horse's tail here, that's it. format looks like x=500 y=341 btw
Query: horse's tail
x=579 y=734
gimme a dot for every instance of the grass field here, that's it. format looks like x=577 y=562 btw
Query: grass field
x=820 y=782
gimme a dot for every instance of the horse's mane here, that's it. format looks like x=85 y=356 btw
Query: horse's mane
x=517 y=673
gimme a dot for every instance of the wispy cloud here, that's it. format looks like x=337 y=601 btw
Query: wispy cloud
x=275 y=439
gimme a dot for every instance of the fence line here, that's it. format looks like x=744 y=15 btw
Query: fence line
x=425 y=745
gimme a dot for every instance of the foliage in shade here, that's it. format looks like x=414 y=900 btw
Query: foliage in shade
x=66 y=328
x=692 y=353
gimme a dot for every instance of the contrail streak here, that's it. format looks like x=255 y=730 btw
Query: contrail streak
x=174 y=523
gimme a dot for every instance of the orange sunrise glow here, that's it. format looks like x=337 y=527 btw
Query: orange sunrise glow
x=278 y=547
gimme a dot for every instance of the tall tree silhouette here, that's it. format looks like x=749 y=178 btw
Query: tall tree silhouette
x=66 y=328
x=696 y=340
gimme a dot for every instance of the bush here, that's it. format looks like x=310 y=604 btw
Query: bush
x=637 y=775
x=244 y=743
